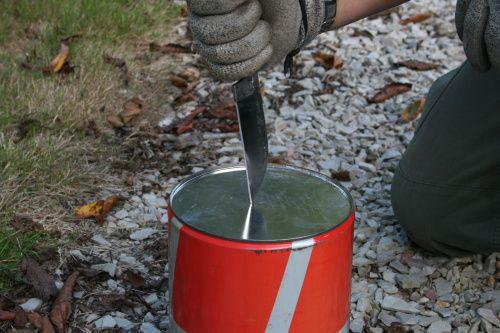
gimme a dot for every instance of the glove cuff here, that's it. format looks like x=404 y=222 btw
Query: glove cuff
x=314 y=12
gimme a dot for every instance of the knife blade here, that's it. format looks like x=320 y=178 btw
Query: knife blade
x=252 y=123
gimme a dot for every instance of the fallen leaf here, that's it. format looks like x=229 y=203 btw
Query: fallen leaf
x=115 y=121
x=21 y=319
x=179 y=82
x=25 y=224
x=98 y=210
x=190 y=74
x=170 y=48
x=189 y=97
x=184 y=11
x=131 y=109
x=62 y=57
x=397 y=328
x=278 y=159
x=62 y=307
x=42 y=282
x=413 y=111
x=389 y=91
x=134 y=279
x=417 y=65
x=42 y=323
x=7 y=315
x=416 y=18
x=328 y=60
x=186 y=124
x=342 y=176
x=224 y=112
x=6 y=302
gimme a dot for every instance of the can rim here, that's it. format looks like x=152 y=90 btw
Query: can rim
x=218 y=170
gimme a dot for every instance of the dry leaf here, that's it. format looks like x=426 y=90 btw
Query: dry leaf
x=41 y=281
x=179 y=82
x=416 y=18
x=7 y=315
x=25 y=224
x=190 y=74
x=189 y=97
x=328 y=60
x=62 y=57
x=224 y=112
x=417 y=65
x=98 y=210
x=413 y=111
x=342 y=176
x=170 y=48
x=115 y=121
x=278 y=159
x=389 y=91
x=42 y=323
x=184 y=11
x=132 y=109
x=21 y=319
x=134 y=279
x=186 y=124
x=62 y=307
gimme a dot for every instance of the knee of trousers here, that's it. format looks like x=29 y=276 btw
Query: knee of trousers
x=454 y=222
x=404 y=204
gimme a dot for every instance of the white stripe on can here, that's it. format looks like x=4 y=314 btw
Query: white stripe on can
x=345 y=329
x=175 y=230
x=291 y=286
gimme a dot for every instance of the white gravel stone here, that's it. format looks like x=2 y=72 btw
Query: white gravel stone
x=439 y=326
x=78 y=255
x=121 y=214
x=149 y=328
x=31 y=305
x=100 y=240
x=488 y=315
x=398 y=304
x=124 y=323
x=127 y=225
x=109 y=268
x=154 y=201
x=142 y=234
x=357 y=325
x=105 y=322
x=151 y=298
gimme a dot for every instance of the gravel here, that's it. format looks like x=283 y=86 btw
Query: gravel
x=318 y=119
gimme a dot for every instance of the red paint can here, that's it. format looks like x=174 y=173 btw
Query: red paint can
x=288 y=270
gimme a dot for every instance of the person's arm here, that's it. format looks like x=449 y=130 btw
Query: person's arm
x=349 y=11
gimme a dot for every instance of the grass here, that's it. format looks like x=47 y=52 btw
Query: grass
x=47 y=156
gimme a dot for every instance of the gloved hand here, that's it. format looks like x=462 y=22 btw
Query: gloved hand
x=478 y=26
x=238 y=37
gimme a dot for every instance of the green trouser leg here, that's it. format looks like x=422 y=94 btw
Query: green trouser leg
x=446 y=189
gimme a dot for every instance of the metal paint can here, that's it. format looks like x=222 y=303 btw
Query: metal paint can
x=291 y=273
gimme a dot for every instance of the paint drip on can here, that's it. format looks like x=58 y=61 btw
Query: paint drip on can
x=287 y=271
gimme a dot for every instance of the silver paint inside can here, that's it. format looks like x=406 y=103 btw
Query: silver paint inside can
x=292 y=204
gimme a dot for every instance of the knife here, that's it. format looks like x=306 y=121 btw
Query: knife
x=252 y=123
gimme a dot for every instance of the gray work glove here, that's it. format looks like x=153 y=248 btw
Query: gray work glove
x=239 y=37
x=478 y=26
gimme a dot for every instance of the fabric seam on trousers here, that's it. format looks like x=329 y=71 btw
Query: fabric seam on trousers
x=445 y=186
x=431 y=108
